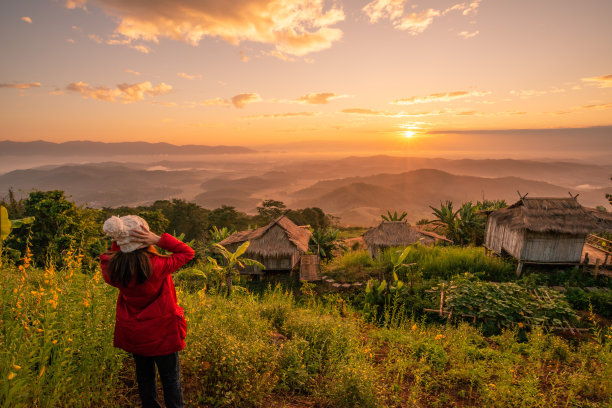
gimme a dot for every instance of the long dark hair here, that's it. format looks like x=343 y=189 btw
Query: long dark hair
x=123 y=266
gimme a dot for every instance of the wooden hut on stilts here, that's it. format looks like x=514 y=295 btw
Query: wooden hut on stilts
x=540 y=231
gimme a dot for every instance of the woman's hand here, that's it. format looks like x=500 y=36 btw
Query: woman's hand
x=144 y=236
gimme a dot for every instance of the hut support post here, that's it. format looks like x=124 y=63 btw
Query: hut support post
x=519 y=268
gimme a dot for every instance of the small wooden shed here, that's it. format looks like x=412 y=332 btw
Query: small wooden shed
x=397 y=233
x=278 y=246
x=540 y=230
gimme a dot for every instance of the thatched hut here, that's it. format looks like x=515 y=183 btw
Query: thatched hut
x=540 y=230
x=279 y=245
x=397 y=233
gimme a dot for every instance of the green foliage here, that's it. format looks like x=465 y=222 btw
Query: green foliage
x=189 y=218
x=233 y=262
x=270 y=210
x=56 y=339
x=56 y=347
x=445 y=262
x=6 y=225
x=507 y=304
x=466 y=225
x=59 y=226
x=227 y=216
x=599 y=299
x=351 y=266
x=324 y=242
x=313 y=216
x=394 y=216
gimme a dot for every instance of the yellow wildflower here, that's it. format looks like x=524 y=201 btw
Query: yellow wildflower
x=414 y=327
x=440 y=336
x=11 y=375
x=16 y=367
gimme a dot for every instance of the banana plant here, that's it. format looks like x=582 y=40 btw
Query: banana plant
x=6 y=225
x=233 y=262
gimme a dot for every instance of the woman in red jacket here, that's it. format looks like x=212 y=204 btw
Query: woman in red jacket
x=149 y=323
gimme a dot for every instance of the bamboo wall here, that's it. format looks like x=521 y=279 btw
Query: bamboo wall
x=548 y=247
x=531 y=246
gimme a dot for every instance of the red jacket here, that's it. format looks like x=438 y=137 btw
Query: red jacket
x=148 y=321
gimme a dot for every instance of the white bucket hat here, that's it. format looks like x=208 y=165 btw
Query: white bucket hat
x=119 y=229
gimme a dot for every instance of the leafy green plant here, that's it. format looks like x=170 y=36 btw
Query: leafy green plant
x=506 y=304
x=233 y=262
x=324 y=242
x=394 y=216
x=6 y=225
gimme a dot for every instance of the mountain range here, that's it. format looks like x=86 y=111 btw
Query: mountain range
x=356 y=189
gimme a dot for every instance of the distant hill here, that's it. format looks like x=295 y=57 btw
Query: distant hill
x=101 y=185
x=358 y=199
x=415 y=191
x=560 y=173
x=87 y=148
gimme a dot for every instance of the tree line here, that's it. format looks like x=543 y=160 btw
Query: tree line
x=59 y=225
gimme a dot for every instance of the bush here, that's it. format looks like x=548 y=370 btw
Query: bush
x=446 y=262
x=352 y=266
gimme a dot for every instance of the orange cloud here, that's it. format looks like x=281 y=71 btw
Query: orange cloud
x=131 y=71
x=21 y=85
x=371 y=112
x=295 y=27
x=215 y=102
x=604 y=81
x=126 y=93
x=319 y=98
x=26 y=19
x=187 y=76
x=241 y=100
x=281 y=115
x=393 y=10
x=438 y=97
x=466 y=35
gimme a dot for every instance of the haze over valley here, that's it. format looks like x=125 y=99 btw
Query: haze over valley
x=357 y=189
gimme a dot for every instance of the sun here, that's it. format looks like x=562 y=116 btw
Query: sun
x=409 y=133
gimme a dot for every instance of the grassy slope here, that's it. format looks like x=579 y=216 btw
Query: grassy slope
x=56 y=348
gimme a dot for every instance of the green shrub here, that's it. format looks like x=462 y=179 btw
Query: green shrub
x=352 y=266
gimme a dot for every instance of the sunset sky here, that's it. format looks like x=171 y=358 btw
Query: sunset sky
x=421 y=75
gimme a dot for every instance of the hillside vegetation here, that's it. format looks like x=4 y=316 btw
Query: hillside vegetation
x=276 y=350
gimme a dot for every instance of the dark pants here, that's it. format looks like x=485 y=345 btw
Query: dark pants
x=168 y=367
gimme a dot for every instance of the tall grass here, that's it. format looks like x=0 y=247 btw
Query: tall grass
x=446 y=262
x=56 y=351
x=56 y=338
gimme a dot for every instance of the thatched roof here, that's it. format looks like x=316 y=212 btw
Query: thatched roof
x=604 y=218
x=559 y=215
x=267 y=241
x=396 y=233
